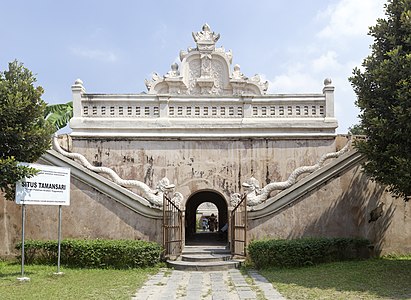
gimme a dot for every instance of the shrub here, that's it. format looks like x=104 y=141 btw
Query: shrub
x=119 y=254
x=306 y=251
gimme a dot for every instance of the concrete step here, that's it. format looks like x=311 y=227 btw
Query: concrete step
x=204 y=266
x=205 y=250
x=206 y=257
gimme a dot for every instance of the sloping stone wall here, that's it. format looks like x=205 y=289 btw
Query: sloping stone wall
x=90 y=215
x=342 y=209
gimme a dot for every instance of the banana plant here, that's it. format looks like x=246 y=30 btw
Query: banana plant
x=59 y=114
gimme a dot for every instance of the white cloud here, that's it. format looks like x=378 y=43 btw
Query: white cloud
x=327 y=61
x=350 y=18
x=293 y=82
x=95 y=54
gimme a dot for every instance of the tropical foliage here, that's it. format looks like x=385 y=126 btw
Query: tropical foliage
x=383 y=88
x=59 y=114
x=24 y=132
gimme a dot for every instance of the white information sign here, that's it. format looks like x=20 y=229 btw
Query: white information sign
x=51 y=186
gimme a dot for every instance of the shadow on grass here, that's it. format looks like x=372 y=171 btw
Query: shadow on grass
x=386 y=278
x=15 y=274
x=13 y=269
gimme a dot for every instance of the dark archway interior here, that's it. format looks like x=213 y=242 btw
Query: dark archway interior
x=211 y=238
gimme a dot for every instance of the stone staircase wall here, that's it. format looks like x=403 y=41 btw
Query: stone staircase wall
x=98 y=209
x=335 y=201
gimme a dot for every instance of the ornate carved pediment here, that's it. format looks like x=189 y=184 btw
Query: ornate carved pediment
x=205 y=70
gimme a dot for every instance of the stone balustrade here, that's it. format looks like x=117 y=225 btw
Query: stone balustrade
x=102 y=106
x=165 y=115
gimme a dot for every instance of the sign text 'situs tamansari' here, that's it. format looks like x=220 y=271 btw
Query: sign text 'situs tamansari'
x=51 y=186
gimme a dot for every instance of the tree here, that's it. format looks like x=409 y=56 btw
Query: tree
x=383 y=89
x=356 y=129
x=24 y=133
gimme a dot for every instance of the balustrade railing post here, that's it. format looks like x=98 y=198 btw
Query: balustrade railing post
x=328 y=91
x=248 y=107
x=163 y=105
x=77 y=90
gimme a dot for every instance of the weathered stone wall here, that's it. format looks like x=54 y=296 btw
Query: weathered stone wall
x=219 y=165
x=91 y=214
x=342 y=209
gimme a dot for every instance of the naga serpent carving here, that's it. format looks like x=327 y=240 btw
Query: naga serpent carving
x=255 y=195
x=154 y=197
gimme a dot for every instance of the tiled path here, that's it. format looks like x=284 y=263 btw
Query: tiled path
x=212 y=285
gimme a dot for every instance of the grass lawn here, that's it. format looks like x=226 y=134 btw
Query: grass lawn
x=384 y=278
x=73 y=284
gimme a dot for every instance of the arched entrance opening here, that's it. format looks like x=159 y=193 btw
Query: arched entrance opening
x=194 y=232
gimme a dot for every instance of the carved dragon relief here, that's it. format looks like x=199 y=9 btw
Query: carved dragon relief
x=257 y=195
x=154 y=197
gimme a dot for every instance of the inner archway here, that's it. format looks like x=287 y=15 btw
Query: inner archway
x=194 y=232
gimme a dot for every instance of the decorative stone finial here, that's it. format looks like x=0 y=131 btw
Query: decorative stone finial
x=174 y=67
x=327 y=81
x=174 y=72
x=237 y=75
x=206 y=36
x=78 y=86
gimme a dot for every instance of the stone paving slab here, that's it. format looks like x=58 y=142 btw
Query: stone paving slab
x=210 y=285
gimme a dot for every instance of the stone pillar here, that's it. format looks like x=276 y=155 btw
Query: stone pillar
x=328 y=91
x=163 y=105
x=77 y=90
x=248 y=107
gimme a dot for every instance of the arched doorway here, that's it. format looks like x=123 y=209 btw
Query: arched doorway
x=194 y=234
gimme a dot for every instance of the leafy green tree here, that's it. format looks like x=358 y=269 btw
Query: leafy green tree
x=356 y=129
x=24 y=133
x=383 y=88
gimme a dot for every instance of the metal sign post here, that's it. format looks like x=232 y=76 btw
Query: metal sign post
x=23 y=221
x=59 y=244
x=51 y=186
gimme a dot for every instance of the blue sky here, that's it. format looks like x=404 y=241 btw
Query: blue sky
x=114 y=45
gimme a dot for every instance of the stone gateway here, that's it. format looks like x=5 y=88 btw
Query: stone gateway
x=208 y=136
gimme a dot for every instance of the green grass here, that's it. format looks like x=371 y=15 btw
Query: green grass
x=73 y=284
x=384 y=278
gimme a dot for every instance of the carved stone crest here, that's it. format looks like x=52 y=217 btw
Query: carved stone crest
x=206 y=37
x=205 y=70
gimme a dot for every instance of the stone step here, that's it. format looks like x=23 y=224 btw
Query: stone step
x=206 y=257
x=205 y=250
x=204 y=266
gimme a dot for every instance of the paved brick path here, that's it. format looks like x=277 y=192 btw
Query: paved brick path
x=213 y=285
